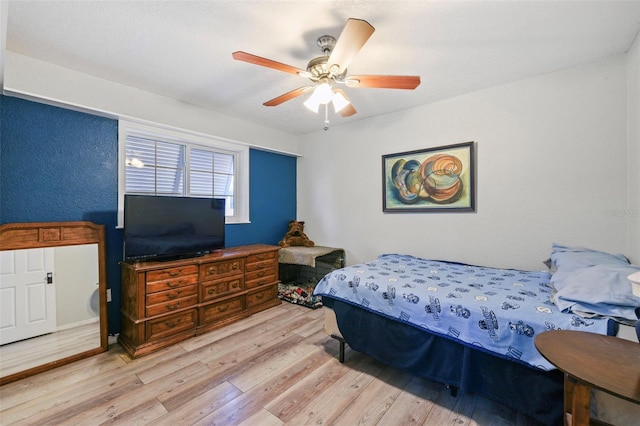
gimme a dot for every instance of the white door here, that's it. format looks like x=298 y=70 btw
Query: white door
x=27 y=294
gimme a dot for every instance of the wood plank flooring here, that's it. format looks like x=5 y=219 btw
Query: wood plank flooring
x=29 y=353
x=276 y=367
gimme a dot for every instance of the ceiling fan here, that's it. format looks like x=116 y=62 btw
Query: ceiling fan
x=330 y=70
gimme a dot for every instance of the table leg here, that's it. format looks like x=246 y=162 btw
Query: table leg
x=568 y=399
x=577 y=401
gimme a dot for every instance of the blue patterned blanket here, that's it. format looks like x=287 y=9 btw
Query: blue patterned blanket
x=496 y=310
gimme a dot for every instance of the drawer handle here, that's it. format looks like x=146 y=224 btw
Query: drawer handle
x=235 y=284
x=261 y=274
x=211 y=291
x=211 y=270
x=174 y=284
x=175 y=273
x=261 y=265
x=223 y=308
x=263 y=282
x=174 y=295
x=260 y=296
x=171 y=324
x=176 y=306
x=235 y=265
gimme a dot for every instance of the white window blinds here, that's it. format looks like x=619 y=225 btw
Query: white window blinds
x=211 y=174
x=154 y=167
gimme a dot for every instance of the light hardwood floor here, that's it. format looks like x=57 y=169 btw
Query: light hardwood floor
x=25 y=354
x=274 y=368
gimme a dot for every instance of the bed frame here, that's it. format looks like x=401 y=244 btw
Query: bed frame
x=460 y=368
x=535 y=393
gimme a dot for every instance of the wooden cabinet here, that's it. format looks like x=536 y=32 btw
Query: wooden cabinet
x=166 y=302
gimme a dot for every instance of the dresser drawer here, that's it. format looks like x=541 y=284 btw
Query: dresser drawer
x=171 y=295
x=219 y=310
x=260 y=277
x=213 y=271
x=178 y=271
x=171 y=324
x=173 y=305
x=216 y=289
x=171 y=283
x=261 y=257
x=262 y=296
x=257 y=266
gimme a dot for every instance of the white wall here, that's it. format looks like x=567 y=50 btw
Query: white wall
x=551 y=167
x=76 y=280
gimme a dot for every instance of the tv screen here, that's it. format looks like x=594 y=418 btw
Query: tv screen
x=165 y=228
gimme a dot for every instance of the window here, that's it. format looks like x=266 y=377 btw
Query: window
x=166 y=162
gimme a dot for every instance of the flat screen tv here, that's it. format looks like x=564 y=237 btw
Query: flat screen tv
x=166 y=228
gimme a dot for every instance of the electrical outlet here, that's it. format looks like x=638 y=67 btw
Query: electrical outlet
x=108 y=295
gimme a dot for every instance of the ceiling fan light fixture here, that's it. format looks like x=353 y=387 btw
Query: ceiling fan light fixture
x=339 y=102
x=323 y=93
x=312 y=103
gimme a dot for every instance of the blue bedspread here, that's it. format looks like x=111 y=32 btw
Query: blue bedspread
x=496 y=310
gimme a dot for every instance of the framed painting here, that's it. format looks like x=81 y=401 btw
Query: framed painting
x=430 y=180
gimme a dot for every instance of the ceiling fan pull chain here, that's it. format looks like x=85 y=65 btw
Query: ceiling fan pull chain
x=326 y=116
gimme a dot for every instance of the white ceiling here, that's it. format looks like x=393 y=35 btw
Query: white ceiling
x=182 y=49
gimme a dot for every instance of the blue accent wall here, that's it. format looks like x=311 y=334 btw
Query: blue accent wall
x=272 y=199
x=62 y=165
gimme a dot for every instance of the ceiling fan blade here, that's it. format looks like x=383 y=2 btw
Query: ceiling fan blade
x=348 y=110
x=258 y=60
x=354 y=35
x=408 y=82
x=287 y=96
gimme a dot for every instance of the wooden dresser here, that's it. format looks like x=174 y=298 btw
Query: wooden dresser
x=166 y=302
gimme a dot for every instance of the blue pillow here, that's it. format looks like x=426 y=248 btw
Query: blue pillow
x=593 y=282
x=572 y=258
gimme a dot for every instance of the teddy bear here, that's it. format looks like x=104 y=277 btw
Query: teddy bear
x=295 y=236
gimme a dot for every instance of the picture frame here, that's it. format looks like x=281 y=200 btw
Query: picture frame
x=431 y=180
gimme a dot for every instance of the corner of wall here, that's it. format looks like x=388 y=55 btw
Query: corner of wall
x=4 y=13
x=633 y=143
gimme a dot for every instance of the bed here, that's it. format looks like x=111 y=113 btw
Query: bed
x=472 y=327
